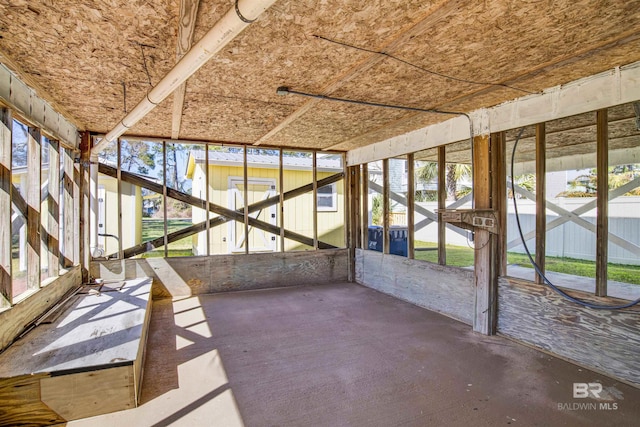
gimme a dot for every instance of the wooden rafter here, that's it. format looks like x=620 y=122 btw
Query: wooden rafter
x=186 y=27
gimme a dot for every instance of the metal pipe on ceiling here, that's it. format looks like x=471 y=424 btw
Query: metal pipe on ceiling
x=226 y=29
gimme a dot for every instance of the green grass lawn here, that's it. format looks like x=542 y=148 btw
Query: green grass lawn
x=153 y=228
x=578 y=267
x=461 y=256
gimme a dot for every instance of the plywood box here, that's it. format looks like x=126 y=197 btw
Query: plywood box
x=87 y=361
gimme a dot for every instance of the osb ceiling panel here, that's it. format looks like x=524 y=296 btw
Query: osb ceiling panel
x=98 y=59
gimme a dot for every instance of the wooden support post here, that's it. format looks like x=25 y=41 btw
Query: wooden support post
x=353 y=199
x=442 y=204
x=350 y=220
x=6 y=126
x=67 y=259
x=53 y=205
x=315 y=200
x=281 y=196
x=207 y=212
x=602 y=220
x=411 y=196
x=84 y=206
x=119 y=189
x=485 y=281
x=365 y=206
x=499 y=197
x=92 y=193
x=349 y=207
x=246 y=200
x=541 y=199
x=164 y=197
x=34 y=170
x=385 y=206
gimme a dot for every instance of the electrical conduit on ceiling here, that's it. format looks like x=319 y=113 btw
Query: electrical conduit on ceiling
x=226 y=29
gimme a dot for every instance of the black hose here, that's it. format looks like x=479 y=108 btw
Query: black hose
x=533 y=263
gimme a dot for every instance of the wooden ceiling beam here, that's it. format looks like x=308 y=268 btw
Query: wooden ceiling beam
x=438 y=13
x=186 y=27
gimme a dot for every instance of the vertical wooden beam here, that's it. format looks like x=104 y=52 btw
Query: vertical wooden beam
x=164 y=197
x=207 y=211
x=499 y=197
x=119 y=207
x=602 y=220
x=93 y=205
x=365 y=206
x=315 y=201
x=357 y=205
x=246 y=200
x=541 y=198
x=67 y=215
x=411 y=199
x=33 y=207
x=350 y=191
x=281 y=194
x=83 y=210
x=349 y=207
x=53 y=205
x=485 y=295
x=442 y=204
x=385 y=207
x=6 y=126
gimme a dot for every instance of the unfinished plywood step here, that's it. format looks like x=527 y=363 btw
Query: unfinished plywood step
x=87 y=361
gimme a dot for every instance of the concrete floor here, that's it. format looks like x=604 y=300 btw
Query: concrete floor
x=346 y=355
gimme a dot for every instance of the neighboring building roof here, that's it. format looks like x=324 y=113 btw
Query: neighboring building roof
x=325 y=162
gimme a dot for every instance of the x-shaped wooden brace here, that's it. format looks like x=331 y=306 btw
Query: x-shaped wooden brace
x=224 y=214
x=566 y=216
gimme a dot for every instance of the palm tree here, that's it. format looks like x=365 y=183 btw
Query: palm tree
x=455 y=172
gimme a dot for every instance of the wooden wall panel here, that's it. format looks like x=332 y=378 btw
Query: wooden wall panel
x=33 y=201
x=447 y=290
x=5 y=207
x=602 y=340
x=13 y=321
x=185 y=276
x=87 y=394
x=53 y=209
x=20 y=402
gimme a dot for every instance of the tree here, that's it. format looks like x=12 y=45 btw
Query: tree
x=455 y=173
x=135 y=156
x=586 y=185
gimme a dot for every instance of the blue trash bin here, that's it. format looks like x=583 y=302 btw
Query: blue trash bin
x=375 y=238
x=397 y=239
